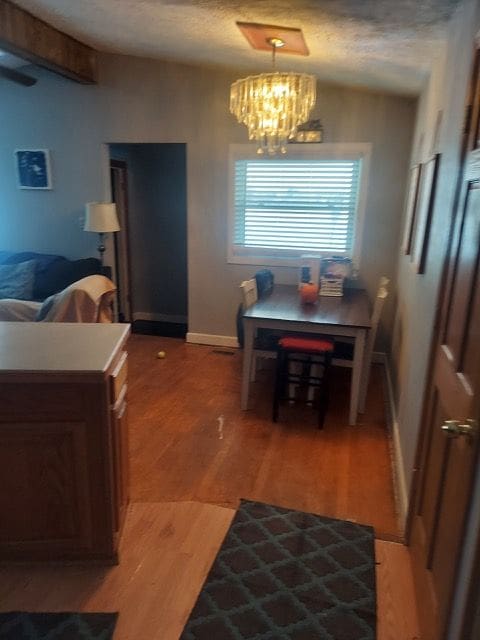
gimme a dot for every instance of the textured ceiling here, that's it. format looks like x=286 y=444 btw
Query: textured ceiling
x=382 y=44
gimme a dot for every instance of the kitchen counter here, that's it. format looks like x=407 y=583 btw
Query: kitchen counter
x=59 y=347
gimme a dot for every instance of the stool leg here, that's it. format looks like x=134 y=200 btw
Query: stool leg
x=279 y=381
x=324 y=390
x=290 y=388
x=315 y=371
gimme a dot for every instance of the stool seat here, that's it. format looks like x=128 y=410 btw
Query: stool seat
x=306 y=345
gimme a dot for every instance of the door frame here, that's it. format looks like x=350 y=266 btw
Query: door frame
x=122 y=166
x=471 y=616
x=471 y=599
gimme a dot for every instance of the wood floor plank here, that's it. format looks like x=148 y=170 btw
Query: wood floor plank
x=166 y=552
x=396 y=606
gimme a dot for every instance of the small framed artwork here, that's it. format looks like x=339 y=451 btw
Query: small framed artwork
x=33 y=168
x=425 y=204
x=411 y=208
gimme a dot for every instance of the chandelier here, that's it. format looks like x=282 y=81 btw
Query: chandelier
x=272 y=105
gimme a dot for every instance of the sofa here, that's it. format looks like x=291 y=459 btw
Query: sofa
x=51 y=288
x=53 y=273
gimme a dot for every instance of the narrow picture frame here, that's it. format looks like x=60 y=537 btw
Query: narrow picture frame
x=411 y=208
x=33 y=168
x=426 y=202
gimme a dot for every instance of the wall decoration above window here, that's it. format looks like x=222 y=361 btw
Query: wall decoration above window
x=33 y=168
x=311 y=131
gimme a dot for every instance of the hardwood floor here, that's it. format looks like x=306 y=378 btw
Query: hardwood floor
x=180 y=451
x=166 y=552
x=194 y=454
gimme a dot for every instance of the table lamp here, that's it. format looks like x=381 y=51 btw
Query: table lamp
x=101 y=218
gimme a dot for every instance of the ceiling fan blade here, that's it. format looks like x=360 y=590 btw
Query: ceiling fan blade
x=16 y=76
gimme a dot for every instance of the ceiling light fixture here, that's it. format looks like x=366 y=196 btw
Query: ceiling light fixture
x=272 y=105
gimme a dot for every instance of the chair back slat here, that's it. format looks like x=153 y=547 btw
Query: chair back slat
x=249 y=292
x=381 y=296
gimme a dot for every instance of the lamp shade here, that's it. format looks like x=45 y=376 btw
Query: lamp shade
x=101 y=217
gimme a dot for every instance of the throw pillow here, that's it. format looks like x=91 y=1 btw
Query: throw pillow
x=16 y=280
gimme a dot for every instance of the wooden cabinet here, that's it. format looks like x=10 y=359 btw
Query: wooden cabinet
x=64 y=447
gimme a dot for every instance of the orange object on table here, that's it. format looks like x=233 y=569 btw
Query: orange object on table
x=309 y=293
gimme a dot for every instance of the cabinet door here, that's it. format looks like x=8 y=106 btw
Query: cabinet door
x=120 y=459
x=44 y=489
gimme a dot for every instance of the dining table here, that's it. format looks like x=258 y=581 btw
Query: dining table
x=346 y=316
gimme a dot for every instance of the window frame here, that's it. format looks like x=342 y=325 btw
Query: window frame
x=324 y=151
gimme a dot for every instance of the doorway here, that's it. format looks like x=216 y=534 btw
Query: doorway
x=149 y=187
x=449 y=450
x=119 y=181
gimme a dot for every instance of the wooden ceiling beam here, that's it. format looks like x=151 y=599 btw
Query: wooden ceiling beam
x=34 y=40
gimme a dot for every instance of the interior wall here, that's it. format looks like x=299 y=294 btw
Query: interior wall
x=139 y=100
x=157 y=228
x=417 y=294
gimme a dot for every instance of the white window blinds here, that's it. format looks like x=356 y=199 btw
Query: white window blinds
x=296 y=205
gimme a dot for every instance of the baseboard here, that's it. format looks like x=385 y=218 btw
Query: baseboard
x=401 y=491
x=400 y=481
x=159 y=317
x=211 y=339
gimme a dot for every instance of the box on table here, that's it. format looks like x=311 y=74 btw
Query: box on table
x=331 y=285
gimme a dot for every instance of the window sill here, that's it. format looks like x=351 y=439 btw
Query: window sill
x=264 y=261
x=275 y=260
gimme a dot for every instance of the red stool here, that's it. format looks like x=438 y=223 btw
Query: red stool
x=308 y=352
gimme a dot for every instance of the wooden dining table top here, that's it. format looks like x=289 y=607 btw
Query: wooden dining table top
x=283 y=303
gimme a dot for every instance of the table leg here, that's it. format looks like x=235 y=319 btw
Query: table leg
x=357 y=371
x=249 y=331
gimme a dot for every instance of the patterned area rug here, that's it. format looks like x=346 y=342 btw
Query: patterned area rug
x=287 y=574
x=19 y=625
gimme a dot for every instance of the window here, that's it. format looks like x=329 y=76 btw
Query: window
x=307 y=202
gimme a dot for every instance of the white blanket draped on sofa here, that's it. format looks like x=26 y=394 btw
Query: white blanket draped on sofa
x=18 y=310
x=87 y=300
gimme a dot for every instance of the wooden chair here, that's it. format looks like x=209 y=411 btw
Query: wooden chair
x=312 y=354
x=343 y=350
x=382 y=295
x=249 y=292
x=265 y=345
x=343 y=353
x=344 y=347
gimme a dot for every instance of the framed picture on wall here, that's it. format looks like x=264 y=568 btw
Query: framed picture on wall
x=411 y=208
x=33 y=168
x=425 y=204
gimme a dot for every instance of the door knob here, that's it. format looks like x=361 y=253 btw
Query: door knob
x=454 y=429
